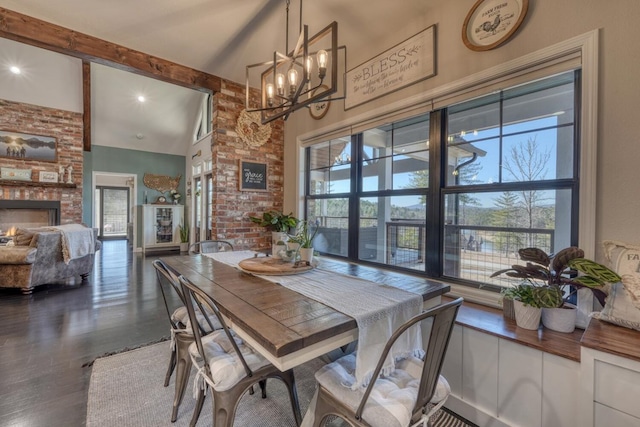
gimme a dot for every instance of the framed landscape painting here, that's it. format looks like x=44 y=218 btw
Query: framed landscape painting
x=22 y=146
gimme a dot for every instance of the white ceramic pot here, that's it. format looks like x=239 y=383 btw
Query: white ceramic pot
x=278 y=236
x=527 y=317
x=293 y=246
x=184 y=247
x=561 y=319
x=306 y=254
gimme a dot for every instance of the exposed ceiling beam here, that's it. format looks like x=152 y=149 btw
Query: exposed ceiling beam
x=35 y=32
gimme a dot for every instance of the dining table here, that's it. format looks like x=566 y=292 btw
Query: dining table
x=285 y=326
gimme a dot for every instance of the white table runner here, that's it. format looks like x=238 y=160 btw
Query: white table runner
x=378 y=309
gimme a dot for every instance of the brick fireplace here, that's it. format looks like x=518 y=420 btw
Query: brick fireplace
x=27 y=214
x=67 y=128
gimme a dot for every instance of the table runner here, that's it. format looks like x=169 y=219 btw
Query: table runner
x=377 y=308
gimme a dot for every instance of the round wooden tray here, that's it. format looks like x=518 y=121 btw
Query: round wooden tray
x=272 y=266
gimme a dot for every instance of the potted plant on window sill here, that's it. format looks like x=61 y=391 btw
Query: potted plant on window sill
x=527 y=312
x=555 y=278
x=184 y=236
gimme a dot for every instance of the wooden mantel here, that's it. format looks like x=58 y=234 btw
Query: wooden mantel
x=15 y=183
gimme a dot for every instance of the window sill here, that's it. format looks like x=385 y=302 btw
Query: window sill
x=491 y=321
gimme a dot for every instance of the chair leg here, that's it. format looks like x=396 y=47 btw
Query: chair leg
x=170 y=368
x=263 y=387
x=183 y=369
x=197 y=409
x=290 y=381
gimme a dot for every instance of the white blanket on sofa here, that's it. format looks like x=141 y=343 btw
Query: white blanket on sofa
x=77 y=241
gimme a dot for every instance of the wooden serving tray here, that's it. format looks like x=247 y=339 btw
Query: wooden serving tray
x=272 y=266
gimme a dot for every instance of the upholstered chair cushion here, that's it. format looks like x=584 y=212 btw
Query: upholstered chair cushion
x=180 y=316
x=392 y=399
x=226 y=368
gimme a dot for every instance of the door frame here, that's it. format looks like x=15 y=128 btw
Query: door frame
x=130 y=180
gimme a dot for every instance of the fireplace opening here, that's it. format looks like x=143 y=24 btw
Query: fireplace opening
x=27 y=214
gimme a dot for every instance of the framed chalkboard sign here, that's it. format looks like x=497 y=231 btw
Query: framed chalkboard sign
x=253 y=176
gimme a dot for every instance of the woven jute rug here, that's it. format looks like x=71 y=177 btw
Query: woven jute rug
x=126 y=389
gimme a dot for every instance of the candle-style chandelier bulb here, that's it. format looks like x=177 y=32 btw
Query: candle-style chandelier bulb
x=309 y=65
x=292 y=74
x=270 y=93
x=323 y=59
x=280 y=84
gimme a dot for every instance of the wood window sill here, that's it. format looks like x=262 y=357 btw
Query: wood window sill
x=491 y=321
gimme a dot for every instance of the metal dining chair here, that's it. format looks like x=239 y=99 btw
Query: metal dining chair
x=181 y=333
x=210 y=246
x=227 y=365
x=418 y=383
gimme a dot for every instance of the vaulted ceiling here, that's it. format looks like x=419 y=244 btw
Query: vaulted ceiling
x=219 y=37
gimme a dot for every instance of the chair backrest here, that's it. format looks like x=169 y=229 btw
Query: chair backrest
x=167 y=279
x=199 y=300
x=444 y=317
x=211 y=246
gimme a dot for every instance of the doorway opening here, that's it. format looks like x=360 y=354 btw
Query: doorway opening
x=112 y=212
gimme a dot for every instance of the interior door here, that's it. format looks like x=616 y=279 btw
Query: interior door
x=112 y=212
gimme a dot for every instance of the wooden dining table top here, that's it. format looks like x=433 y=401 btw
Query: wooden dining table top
x=280 y=320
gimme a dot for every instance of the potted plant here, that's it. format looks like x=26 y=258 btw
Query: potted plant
x=526 y=308
x=184 y=236
x=277 y=222
x=305 y=237
x=555 y=277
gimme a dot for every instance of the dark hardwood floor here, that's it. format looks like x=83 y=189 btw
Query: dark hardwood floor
x=46 y=337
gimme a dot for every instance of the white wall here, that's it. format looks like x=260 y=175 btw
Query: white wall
x=547 y=23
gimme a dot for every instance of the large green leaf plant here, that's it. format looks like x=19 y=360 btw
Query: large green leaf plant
x=550 y=275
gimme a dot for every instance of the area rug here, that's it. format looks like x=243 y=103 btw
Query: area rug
x=127 y=390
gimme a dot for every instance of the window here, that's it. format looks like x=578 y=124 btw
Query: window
x=456 y=192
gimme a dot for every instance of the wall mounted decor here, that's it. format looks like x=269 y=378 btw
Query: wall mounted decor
x=251 y=130
x=23 y=146
x=253 y=176
x=15 y=174
x=490 y=23
x=404 y=64
x=45 y=176
x=161 y=183
x=319 y=109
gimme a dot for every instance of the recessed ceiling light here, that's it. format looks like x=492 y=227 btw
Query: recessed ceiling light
x=15 y=70
x=141 y=98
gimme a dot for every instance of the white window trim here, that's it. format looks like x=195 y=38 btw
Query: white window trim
x=587 y=45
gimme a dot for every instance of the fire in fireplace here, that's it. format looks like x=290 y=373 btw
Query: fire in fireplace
x=27 y=214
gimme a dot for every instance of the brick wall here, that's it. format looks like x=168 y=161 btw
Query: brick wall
x=232 y=207
x=67 y=127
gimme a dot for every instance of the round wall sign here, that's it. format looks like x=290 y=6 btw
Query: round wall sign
x=490 y=23
x=319 y=109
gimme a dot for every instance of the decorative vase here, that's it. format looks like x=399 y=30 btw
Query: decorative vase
x=306 y=254
x=184 y=247
x=276 y=249
x=561 y=319
x=293 y=246
x=527 y=317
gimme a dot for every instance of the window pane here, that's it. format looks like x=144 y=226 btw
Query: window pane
x=484 y=231
x=331 y=216
x=475 y=119
x=330 y=171
x=539 y=155
x=473 y=163
x=392 y=230
x=396 y=156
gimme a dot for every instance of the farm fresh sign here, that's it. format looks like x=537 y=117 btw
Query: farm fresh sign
x=402 y=65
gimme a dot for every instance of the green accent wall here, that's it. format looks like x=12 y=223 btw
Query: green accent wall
x=118 y=160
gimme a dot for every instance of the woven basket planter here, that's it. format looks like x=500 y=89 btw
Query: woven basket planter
x=507 y=309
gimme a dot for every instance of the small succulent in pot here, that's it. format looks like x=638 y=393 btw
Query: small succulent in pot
x=552 y=273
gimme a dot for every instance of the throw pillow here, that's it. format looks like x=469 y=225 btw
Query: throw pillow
x=623 y=258
x=619 y=309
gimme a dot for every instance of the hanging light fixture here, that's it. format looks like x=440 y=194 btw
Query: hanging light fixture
x=298 y=77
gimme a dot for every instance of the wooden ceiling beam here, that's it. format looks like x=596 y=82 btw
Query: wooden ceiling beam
x=35 y=32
